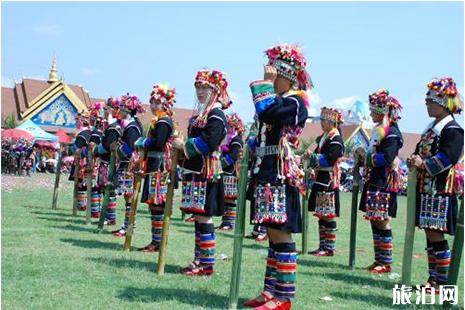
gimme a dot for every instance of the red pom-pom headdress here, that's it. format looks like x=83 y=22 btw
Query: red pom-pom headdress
x=444 y=92
x=131 y=103
x=165 y=95
x=235 y=122
x=382 y=103
x=332 y=115
x=217 y=81
x=290 y=63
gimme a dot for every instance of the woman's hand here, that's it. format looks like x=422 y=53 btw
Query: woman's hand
x=415 y=161
x=178 y=143
x=270 y=73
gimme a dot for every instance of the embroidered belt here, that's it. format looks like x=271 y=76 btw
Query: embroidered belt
x=267 y=150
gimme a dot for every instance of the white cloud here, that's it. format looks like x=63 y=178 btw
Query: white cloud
x=240 y=106
x=87 y=71
x=343 y=103
x=315 y=104
x=7 y=82
x=48 y=29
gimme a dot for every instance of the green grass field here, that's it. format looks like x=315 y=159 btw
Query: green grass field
x=51 y=260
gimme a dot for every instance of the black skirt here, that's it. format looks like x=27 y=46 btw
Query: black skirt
x=214 y=196
x=392 y=209
x=317 y=188
x=293 y=211
x=451 y=215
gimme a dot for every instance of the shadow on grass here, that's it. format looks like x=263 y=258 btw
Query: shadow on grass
x=135 y=264
x=320 y=263
x=53 y=213
x=374 y=283
x=74 y=220
x=48 y=208
x=84 y=228
x=377 y=301
x=93 y=244
x=205 y=299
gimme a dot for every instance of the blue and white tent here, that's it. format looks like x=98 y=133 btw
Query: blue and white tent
x=38 y=133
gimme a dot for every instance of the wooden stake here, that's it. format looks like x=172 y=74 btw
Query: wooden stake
x=353 y=216
x=167 y=213
x=239 y=231
x=134 y=204
x=90 y=168
x=108 y=188
x=57 y=180
x=457 y=250
x=305 y=218
x=410 y=227
x=77 y=158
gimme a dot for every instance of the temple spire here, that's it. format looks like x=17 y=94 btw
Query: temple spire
x=53 y=75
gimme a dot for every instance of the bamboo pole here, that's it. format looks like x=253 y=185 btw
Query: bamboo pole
x=410 y=227
x=57 y=180
x=77 y=158
x=457 y=249
x=239 y=232
x=353 y=215
x=167 y=214
x=90 y=170
x=108 y=187
x=134 y=204
x=305 y=218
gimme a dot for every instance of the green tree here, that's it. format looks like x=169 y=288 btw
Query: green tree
x=9 y=121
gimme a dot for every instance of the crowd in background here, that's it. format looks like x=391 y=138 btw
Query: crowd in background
x=24 y=158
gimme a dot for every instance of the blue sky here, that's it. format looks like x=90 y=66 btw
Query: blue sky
x=353 y=48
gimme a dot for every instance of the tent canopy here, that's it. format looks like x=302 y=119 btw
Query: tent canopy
x=38 y=133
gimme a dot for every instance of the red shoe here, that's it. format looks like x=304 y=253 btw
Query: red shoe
x=323 y=253
x=82 y=209
x=190 y=220
x=257 y=301
x=151 y=248
x=261 y=238
x=315 y=251
x=109 y=223
x=380 y=269
x=119 y=233
x=225 y=228
x=370 y=268
x=275 y=304
x=95 y=215
x=198 y=271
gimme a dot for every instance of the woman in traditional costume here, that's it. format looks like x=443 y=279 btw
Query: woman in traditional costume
x=439 y=182
x=281 y=104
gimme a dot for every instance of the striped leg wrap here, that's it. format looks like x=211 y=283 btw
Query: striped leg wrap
x=82 y=198
x=207 y=244
x=442 y=254
x=157 y=217
x=270 y=273
x=197 y=243
x=431 y=261
x=376 y=242
x=111 y=212
x=127 y=213
x=286 y=267
x=95 y=204
x=330 y=236
x=229 y=216
x=385 y=247
x=322 y=234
